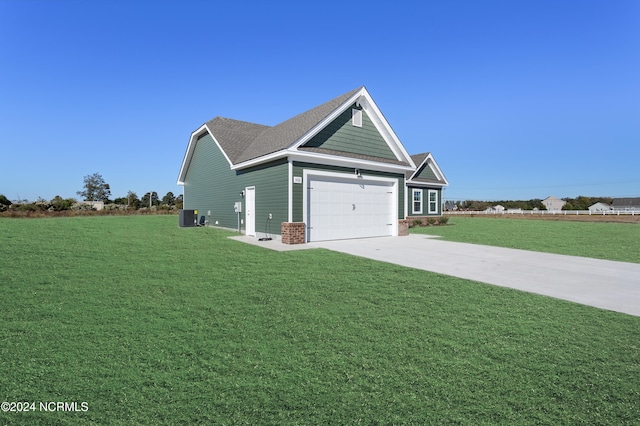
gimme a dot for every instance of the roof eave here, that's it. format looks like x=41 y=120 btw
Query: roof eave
x=436 y=169
x=358 y=163
x=425 y=184
x=188 y=155
x=191 y=148
x=259 y=160
x=324 y=159
x=362 y=97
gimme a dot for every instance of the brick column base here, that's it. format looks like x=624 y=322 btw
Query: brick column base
x=403 y=227
x=293 y=232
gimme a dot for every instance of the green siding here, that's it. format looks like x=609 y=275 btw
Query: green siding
x=298 y=189
x=427 y=173
x=425 y=201
x=271 y=182
x=210 y=184
x=341 y=135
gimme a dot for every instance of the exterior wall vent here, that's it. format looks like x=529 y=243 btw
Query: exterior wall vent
x=356 y=117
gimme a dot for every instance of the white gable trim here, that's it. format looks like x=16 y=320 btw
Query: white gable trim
x=374 y=113
x=430 y=162
x=188 y=156
x=324 y=123
x=363 y=99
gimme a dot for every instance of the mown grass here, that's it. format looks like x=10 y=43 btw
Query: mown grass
x=600 y=240
x=152 y=324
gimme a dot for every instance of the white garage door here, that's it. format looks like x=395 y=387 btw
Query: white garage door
x=349 y=208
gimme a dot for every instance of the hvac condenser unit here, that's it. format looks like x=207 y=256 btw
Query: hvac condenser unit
x=187 y=218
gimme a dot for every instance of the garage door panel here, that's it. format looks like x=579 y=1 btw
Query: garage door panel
x=345 y=208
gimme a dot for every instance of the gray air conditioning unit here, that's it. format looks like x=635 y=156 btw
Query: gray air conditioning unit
x=187 y=218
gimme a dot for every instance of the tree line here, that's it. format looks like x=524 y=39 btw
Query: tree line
x=579 y=203
x=95 y=189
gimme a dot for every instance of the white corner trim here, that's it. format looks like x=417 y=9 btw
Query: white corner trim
x=290 y=195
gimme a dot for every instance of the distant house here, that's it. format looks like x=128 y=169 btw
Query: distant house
x=626 y=204
x=553 y=204
x=495 y=209
x=599 y=208
x=450 y=205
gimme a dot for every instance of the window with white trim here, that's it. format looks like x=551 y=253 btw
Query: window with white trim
x=433 y=201
x=417 y=201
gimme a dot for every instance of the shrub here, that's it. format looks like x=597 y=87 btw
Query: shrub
x=82 y=207
x=431 y=221
x=443 y=220
x=417 y=222
x=59 y=204
x=27 y=207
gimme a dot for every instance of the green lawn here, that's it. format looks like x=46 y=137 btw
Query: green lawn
x=611 y=241
x=149 y=323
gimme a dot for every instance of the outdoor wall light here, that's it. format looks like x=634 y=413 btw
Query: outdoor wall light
x=242 y=193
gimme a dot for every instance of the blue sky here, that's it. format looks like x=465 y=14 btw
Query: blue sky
x=515 y=99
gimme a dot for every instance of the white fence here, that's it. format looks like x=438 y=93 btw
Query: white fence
x=545 y=212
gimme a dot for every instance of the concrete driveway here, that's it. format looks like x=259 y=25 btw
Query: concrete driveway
x=601 y=283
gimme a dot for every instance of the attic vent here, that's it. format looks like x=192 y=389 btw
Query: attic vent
x=356 y=117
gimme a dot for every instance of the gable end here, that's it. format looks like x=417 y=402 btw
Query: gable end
x=341 y=135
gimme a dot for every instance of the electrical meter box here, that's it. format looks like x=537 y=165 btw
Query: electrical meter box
x=237 y=207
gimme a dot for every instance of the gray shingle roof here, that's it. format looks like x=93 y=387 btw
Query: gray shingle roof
x=418 y=159
x=626 y=203
x=243 y=141
x=234 y=136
